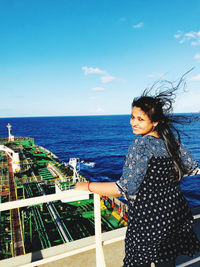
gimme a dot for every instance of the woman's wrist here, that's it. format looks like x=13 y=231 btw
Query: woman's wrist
x=89 y=186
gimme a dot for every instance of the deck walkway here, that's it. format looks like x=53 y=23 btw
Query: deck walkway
x=113 y=253
x=17 y=240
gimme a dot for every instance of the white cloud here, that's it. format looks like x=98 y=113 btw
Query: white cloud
x=178 y=34
x=98 y=89
x=195 y=78
x=105 y=76
x=192 y=37
x=107 y=79
x=197 y=56
x=138 y=26
x=190 y=34
x=91 y=70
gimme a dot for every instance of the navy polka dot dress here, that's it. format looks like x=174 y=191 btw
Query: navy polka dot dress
x=160 y=223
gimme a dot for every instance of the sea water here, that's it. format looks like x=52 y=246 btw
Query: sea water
x=101 y=143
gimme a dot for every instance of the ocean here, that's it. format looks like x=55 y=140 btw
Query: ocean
x=101 y=143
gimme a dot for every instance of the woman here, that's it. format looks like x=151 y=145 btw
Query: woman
x=160 y=223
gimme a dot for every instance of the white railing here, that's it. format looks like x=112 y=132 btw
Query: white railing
x=69 y=196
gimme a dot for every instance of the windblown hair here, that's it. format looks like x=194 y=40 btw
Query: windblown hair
x=159 y=108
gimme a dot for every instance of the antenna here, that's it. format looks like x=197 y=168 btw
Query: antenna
x=9 y=134
x=75 y=163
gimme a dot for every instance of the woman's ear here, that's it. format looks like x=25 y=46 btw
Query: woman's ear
x=155 y=124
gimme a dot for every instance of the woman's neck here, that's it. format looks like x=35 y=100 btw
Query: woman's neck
x=154 y=133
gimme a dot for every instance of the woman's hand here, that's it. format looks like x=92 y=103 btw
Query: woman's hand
x=81 y=186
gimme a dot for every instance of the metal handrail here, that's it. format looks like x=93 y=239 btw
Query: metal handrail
x=67 y=195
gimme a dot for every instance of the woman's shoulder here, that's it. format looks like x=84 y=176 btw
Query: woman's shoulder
x=137 y=142
x=149 y=145
x=148 y=139
x=141 y=143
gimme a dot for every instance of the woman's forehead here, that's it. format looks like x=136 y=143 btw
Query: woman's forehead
x=138 y=112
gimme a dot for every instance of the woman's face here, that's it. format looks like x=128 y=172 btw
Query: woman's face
x=141 y=123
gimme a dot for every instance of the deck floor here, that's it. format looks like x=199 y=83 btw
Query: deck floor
x=113 y=253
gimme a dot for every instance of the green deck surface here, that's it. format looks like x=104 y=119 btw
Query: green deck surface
x=39 y=228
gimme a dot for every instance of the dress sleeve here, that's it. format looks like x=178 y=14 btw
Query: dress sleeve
x=191 y=165
x=134 y=169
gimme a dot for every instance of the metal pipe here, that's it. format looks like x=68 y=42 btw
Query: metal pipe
x=53 y=211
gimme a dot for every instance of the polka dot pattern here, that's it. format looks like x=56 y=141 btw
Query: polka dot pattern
x=160 y=223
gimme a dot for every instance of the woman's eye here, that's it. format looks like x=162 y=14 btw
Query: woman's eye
x=140 y=119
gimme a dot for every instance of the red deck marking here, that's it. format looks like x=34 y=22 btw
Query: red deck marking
x=18 y=247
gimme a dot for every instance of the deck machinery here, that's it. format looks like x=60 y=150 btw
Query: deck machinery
x=28 y=170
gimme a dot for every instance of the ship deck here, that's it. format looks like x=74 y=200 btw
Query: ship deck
x=38 y=227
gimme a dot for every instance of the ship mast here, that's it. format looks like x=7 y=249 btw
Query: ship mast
x=10 y=136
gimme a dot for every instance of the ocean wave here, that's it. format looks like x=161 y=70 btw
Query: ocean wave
x=89 y=164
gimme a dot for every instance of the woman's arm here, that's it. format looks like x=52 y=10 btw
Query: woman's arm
x=106 y=189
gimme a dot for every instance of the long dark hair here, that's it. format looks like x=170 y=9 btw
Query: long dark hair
x=159 y=108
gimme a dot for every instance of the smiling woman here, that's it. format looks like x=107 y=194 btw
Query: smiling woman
x=160 y=221
x=141 y=123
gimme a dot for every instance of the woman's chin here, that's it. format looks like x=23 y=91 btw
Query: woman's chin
x=136 y=132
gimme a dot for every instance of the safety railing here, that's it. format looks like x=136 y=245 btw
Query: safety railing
x=69 y=196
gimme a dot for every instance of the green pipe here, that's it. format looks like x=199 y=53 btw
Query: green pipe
x=42 y=239
x=30 y=226
x=42 y=227
x=63 y=224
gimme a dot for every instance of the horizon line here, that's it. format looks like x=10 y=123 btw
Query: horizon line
x=88 y=115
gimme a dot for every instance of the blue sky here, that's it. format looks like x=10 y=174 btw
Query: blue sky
x=89 y=57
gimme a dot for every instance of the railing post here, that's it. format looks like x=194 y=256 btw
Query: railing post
x=100 y=260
